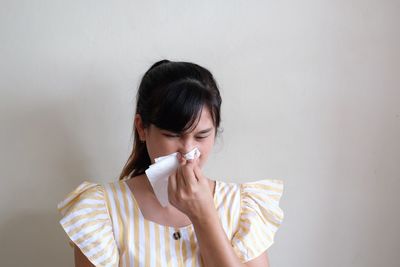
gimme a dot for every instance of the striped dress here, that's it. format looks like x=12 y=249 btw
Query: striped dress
x=105 y=222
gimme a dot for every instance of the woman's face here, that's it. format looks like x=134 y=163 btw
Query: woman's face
x=161 y=142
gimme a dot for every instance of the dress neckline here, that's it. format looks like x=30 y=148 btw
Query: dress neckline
x=186 y=227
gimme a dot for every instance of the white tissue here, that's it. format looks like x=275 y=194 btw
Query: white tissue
x=159 y=172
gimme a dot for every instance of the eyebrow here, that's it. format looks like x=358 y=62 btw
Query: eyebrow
x=205 y=130
x=199 y=132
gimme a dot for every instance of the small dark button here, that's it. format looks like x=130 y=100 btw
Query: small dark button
x=176 y=235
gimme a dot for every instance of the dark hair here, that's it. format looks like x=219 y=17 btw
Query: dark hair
x=171 y=96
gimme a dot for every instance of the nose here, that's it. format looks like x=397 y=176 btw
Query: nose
x=186 y=147
x=185 y=151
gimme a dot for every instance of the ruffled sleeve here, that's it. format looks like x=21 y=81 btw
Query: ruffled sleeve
x=260 y=218
x=86 y=221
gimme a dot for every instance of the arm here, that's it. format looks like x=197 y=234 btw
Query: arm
x=189 y=191
x=216 y=249
x=80 y=258
x=260 y=261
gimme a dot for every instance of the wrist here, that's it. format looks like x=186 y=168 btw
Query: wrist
x=208 y=219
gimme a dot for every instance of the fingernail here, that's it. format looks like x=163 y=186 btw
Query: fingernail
x=178 y=155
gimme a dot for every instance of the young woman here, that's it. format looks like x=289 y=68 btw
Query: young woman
x=208 y=222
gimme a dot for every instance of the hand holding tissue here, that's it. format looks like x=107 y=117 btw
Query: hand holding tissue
x=163 y=167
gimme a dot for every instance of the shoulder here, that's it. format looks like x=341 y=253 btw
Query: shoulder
x=260 y=215
x=86 y=221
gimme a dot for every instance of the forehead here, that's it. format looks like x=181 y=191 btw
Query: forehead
x=205 y=117
x=205 y=120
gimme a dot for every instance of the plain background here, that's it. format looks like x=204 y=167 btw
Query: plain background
x=311 y=95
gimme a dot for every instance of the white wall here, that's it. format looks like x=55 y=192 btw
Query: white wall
x=311 y=95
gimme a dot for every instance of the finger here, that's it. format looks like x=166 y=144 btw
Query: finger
x=197 y=170
x=188 y=172
x=180 y=177
x=182 y=162
x=198 y=173
x=181 y=159
x=177 y=179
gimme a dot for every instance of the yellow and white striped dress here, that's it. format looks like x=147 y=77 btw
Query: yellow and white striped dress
x=105 y=222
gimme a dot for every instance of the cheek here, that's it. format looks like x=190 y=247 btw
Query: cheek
x=163 y=146
x=208 y=145
x=205 y=150
x=202 y=160
x=157 y=149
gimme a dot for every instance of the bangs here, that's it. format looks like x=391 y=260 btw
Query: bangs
x=180 y=106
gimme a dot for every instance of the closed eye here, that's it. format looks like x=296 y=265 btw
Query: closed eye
x=174 y=136
x=170 y=135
